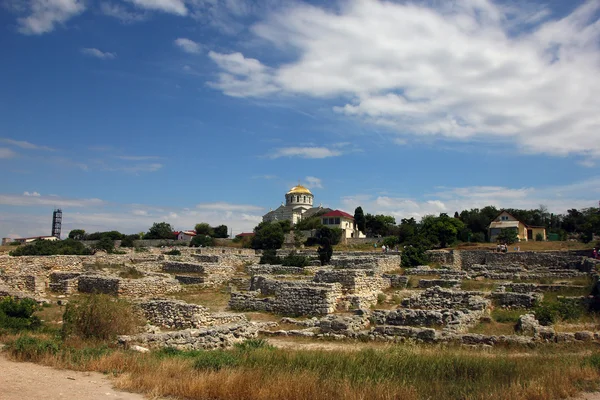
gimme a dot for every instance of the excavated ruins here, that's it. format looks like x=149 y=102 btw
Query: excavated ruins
x=360 y=295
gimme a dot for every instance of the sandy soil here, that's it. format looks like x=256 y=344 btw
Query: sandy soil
x=22 y=381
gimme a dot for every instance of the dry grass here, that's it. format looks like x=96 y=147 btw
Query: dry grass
x=485 y=285
x=393 y=372
x=215 y=298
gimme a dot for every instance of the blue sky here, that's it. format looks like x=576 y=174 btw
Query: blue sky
x=125 y=113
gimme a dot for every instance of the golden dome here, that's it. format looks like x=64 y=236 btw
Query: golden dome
x=299 y=190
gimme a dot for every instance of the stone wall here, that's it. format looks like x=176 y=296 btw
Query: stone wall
x=437 y=298
x=454 y=320
x=211 y=273
x=517 y=300
x=464 y=259
x=145 y=287
x=288 y=297
x=266 y=269
x=209 y=338
x=354 y=281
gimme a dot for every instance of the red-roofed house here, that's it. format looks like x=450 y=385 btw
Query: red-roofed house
x=244 y=234
x=344 y=221
x=185 y=235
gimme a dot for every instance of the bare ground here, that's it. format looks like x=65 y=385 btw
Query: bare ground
x=21 y=381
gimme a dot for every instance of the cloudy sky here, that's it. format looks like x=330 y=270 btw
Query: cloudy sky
x=128 y=112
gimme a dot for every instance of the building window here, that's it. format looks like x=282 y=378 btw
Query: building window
x=337 y=221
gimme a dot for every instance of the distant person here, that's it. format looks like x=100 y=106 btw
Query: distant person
x=594 y=253
x=383 y=248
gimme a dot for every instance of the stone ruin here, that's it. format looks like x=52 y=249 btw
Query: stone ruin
x=341 y=300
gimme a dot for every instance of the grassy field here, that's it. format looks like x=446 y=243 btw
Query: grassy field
x=257 y=371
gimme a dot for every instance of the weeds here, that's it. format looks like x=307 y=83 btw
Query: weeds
x=99 y=316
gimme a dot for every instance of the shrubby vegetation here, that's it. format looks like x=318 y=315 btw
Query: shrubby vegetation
x=201 y=240
x=270 y=235
x=18 y=315
x=49 y=248
x=220 y=231
x=99 y=316
x=160 y=230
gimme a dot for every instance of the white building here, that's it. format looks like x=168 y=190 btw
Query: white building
x=186 y=235
x=34 y=238
x=298 y=205
x=344 y=221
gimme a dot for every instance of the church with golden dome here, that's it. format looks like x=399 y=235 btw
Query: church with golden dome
x=299 y=204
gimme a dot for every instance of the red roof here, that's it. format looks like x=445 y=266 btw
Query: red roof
x=243 y=234
x=337 y=213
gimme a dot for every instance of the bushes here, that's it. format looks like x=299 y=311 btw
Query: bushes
x=28 y=348
x=413 y=256
x=174 y=252
x=99 y=316
x=563 y=309
x=202 y=241
x=105 y=244
x=270 y=257
x=49 y=248
x=18 y=314
x=295 y=260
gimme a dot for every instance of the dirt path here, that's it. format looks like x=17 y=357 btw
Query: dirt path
x=21 y=381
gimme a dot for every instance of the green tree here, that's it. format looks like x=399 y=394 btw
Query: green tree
x=268 y=236
x=202 y=241
x=221 y=231
x=333 y=235
x=308 y=224
x=77 y=234
x=325 y=251
x=105 y=244
x=360 y=220
x=379 y=225
x=407 y=230
x=508 y=236
x=160 y=230
x=441 y=230
x=128 y=241
x=204 y=229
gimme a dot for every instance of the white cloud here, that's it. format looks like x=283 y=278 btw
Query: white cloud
x=44 y=15
x=98 y=215
x=35 y=199
x=6 y=153
x=121 y=13
x=176 y=7
x=313 y=182
x=304 y=152
x=268 y=177
x=558 y=199
x=223 y=206
x=243 y=77
x=464 y=70
x=92 y=52
x=135 y=168
x=25 y=145
x=137 y=158
x=188 y=45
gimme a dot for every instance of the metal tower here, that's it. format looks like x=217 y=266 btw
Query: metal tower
x=56 y=222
